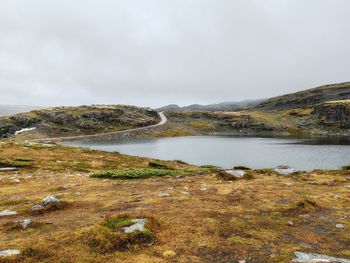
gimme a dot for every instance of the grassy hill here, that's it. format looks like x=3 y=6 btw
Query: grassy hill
x=83 y=120
x=307 y=98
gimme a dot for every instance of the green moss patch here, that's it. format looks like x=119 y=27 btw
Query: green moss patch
x=18 y=163
x=139 y=173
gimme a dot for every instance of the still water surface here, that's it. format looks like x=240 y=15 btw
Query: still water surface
x=228 y=151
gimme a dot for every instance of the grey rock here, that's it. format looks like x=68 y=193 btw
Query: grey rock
x=138 y=226
x=284 y=171
x=9 y=252
x=163 y=194
x=314 y=258
x=8 y=213
x=236 y=173
x=49 y=201
x=290 y=223
x=339 y=226
x=24 y=223
x=38 y=207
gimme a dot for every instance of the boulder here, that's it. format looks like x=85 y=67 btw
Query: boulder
x=49 y=202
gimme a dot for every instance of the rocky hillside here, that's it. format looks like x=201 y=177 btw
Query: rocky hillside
x=308 y=98
x=84 y=120
x=334 y=113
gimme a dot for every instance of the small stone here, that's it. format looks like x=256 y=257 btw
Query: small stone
x=8 y=213
x=38 y=207
x=77 y=193
x=9 y=252
x=339 y=226
x=163 y=194
x=16 y=181
x=289 y=184
x=347 y=186
x=169 y=254
x=24 y=223
x=185 y=193
x=242 y=261
x=290 y=223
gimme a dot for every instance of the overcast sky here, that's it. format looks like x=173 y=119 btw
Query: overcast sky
x=156 y=52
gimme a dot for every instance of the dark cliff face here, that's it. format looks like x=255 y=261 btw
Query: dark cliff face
x=307 y=98
x=68 y=121
x=334 y=114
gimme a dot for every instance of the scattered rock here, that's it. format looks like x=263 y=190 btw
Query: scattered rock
x=339 y=226
x=185 y=193
x=347 y=186
x=49 y=202
x=204 y=188
x=24 y=223
x=169 y=254
x=7 y=213
x=289 y=184
x=163 y=194
x=314 y=258
x=290 y=223
x=9 y=252
x=242 y=261
x=236 y=173
x=138 y=226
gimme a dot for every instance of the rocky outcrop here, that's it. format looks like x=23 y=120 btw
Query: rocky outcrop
x=334 y=113
x=70 y=121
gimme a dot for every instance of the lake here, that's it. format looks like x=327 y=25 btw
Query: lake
x=229 y=151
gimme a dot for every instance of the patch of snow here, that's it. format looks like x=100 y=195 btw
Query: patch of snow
x=25 y=130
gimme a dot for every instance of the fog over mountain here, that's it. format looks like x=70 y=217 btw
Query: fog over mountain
x=158 y=52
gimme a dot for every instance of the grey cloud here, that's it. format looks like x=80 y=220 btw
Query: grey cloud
x=155 y=52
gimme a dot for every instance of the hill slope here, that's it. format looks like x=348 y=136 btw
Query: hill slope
x=83 y=120
x=307 y=98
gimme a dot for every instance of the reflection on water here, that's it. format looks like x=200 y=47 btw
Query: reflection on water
x=228 y=151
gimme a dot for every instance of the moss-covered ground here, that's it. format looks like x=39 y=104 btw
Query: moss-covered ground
x=203 y=219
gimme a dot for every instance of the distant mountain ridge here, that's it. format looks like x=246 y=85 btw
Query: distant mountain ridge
x=224 y=106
